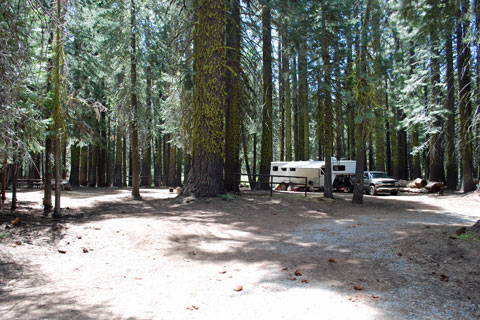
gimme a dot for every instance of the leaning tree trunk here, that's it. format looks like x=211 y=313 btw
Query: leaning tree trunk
x=206 y=175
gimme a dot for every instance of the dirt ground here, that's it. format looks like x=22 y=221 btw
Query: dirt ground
x=242 y=257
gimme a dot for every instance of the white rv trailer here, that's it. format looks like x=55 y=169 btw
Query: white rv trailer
x=314 y=171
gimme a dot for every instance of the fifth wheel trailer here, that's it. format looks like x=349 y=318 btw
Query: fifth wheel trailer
x=314 y=171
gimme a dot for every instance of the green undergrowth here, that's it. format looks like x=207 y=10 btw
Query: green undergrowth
x=471 y=236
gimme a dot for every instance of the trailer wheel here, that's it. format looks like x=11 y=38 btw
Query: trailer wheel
x=372 y=190
x=394 y=193
x=283 y=186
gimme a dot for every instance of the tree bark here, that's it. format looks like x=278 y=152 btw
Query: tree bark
x=452 y=175
x=92 y=166
x=206 y=175
x=233 y=96
x=133 y=104
x=267 y=113
x=328 y=132
x=465 y=97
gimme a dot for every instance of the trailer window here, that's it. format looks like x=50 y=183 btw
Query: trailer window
x=338 y=168
x=275 y=168
x=293 y=169
x=284 y=169
x=322 y=172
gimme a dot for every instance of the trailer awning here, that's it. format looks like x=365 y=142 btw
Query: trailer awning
x=304 y=164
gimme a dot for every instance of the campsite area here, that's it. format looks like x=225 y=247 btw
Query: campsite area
x=244 y=256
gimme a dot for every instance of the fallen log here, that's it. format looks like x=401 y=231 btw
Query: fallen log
x=414 y=190
x=433 y=186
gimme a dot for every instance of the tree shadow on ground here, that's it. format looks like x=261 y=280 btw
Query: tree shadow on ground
x=335 y=244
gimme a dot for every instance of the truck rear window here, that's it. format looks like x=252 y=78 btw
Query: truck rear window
x=338 y=168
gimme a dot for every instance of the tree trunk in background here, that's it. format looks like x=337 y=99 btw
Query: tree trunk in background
x=286 y=85
x=281 y=98
x=328 y=132
x=295 y=109
x=465 y=98
x=47 y=181
x=74 y=165
x=300 y=48
x=178 y=173
x=146 y=178
x=388 y=142
x=159 y=162
x=124 y=161
x=83 y=175
x=64 y=160
x=102 y=152
x=267 y=113
x=118 y=158
x=452 y=175
x=371 y=162
x=206 y=175
x=187 y=166
x=233 y=97
x=133 y=105
x=15 y=169
x=172 y=162
x=251 y=179
x=320 y=116
x=4 y=177
x=437 y=172
x=92 y=166
x=109 y=155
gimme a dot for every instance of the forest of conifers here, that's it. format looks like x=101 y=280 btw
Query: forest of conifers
x=144 y=92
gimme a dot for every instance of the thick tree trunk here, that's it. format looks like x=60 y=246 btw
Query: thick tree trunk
x=295 y=110
x=233 y=97
x=452 y=175
x=172 y=162
x=267 y=113
x=133 y=105
x=465 y=98
x=303 y=119
x=388 y=142
x=206 y=176
x=328 y=130
x=286 y=82
x=74 y=165
x=146 y=178
x=178 y=173
x=124 y=162
x=4 y=178
x=159 y=162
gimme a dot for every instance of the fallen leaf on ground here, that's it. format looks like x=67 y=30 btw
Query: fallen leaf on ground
x=358 y=287
x=284 y=269
x=399 y=254
x=62 y=251
x=16 y=221
x=427 y=227
x=444 y=277
x=98 y=228
x=305 y=281
x=138 y=278
x=79 y=237
x=85 y=250
x=374 y=296
x=238 y=288
x=18 y=243
x=292 y=279
x=298 y=273
x=332 y=260
x=223 y=272
x=192 y=307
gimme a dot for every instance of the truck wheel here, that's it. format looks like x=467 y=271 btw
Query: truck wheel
x=283 y=186
x=394 y=193
x=372 y=191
